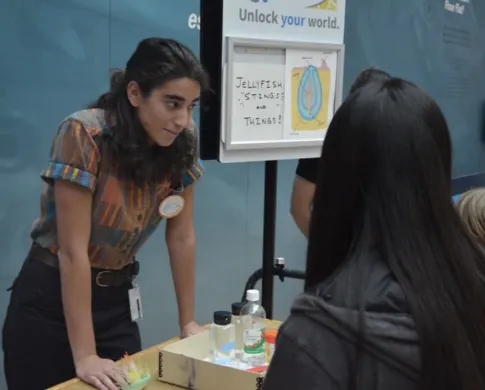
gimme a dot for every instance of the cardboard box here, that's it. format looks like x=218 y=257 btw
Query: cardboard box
x=183 y=364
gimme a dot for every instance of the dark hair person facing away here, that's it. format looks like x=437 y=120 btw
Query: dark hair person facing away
x=393 y=298
x=306 y=171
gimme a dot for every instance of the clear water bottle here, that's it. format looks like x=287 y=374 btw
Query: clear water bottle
x=238 y=330
x=254 y=322
x=222 y=337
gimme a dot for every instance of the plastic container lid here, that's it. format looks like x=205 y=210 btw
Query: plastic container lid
x=270 y=335
x=252 y=295
x=236 y=308
x=222 y=317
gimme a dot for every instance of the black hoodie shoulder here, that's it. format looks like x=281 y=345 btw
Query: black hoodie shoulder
x=318 y=345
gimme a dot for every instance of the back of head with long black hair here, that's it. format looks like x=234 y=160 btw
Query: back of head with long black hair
x=155 y=62
x=385 y=179
x=368 y=75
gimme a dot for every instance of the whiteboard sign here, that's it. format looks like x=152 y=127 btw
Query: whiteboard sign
x=258 y=101
x=280 y=95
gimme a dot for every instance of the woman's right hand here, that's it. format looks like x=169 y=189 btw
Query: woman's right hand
x=103 y=374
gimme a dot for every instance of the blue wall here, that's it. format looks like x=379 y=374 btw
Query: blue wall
x=444 y=52
x=55 y=59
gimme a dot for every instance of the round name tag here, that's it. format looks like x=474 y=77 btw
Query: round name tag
x=171 y=206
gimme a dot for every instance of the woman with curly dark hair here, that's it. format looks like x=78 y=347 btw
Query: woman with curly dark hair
x=116 y=170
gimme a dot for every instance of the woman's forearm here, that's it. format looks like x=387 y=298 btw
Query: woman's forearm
x=76 y=298
x=182 y=262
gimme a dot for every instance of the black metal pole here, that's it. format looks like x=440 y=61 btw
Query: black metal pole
x=269 y=232
x=282 y=273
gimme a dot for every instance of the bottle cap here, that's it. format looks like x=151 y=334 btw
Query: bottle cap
x=236 y=308
x=222 y=317
x=271 y=335
x=252 y=295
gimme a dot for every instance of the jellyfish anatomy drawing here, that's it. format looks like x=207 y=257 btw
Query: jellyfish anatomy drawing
x=310 y=90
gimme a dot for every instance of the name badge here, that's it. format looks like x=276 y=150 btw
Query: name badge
x=171 y=206
x=136 y=309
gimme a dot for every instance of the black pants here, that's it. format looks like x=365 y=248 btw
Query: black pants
x=37 y=354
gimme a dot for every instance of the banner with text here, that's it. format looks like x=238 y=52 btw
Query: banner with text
x=298 y=20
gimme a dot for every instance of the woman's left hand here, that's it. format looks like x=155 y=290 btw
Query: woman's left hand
x=191 y=329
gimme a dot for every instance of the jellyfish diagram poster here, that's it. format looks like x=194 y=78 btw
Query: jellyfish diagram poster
x=310 y=83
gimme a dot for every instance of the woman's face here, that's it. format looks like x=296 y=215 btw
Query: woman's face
x=167 y=110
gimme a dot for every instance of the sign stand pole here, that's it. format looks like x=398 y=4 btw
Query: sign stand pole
x=230 y=52
x=269 y=234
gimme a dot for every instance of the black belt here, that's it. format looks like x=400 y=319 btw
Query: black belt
x=102 y=277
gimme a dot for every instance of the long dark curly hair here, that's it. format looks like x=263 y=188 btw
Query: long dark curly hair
x=155 y=62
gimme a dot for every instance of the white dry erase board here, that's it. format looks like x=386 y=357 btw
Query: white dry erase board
x=278 y=98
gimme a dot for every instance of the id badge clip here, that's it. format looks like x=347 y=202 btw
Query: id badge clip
x=136 y=309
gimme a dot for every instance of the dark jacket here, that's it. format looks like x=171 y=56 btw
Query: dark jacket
x=317 y=345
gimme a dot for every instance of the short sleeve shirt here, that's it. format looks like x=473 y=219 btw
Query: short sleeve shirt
x=123 y=214
x=307 y=169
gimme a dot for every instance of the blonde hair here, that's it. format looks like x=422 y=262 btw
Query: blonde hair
x=471 y=208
